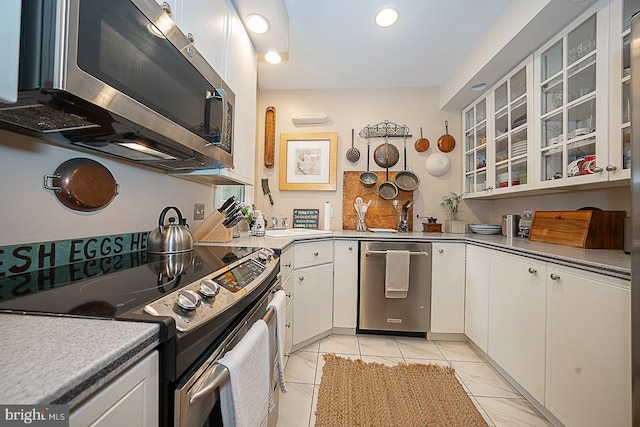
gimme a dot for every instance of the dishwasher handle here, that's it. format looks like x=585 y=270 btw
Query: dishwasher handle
x=412 y=253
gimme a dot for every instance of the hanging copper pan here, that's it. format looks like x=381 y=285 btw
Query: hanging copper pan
x=446 y=143
x=422 y=144
x=82 y=185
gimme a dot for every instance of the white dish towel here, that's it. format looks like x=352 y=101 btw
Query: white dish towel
x=396 y=280
x=245 y=397
x=279 y=303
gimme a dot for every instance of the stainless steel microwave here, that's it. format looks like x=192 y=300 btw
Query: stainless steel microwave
x=118 y=77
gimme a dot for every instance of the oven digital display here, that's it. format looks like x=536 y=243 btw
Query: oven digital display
x=240 y=276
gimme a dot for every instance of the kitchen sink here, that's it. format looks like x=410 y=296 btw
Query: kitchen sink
x=296 y=232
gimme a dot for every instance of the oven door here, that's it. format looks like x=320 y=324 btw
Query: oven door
x=197 y=397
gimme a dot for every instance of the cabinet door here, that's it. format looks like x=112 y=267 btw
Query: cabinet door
x=207 y=20
x=517 y=301
x=571 y=72
x=475 y=148
x=345 y=284
x=476 y=321
x=447 y=287
x=588 y=348
x=242 y=78
x=130 y=400
x=312 y=313
x=619 y=166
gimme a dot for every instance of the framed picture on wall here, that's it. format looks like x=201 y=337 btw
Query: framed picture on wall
x=308 y=161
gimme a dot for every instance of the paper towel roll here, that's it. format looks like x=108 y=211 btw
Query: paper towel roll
x=327 y=216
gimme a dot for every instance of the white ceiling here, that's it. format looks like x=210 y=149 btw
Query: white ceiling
x=450 y=44
x=336 y=44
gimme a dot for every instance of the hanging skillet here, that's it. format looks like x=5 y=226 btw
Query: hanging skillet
x=368 y=178
x=422 y=144
x=386 y=155
x=407 y=180
x=446 y=143
x=387 y=190
x=82 y=184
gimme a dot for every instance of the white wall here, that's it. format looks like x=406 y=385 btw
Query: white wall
x=29 y=213
x=357 y=108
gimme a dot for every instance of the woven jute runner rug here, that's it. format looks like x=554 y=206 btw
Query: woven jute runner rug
x=355 y=393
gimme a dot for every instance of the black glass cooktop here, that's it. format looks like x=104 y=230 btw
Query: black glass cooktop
x=109 y=287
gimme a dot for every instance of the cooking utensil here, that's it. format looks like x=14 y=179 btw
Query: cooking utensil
x=368 y=178
x=446 y=142
x=265 y=189
x=269 y=137
x=407 y=180
x=170 y=238
x=387 y=190
x=422 y=144
x=82 y=184
x=353 y=154
x=386 y=155
x=437 y=164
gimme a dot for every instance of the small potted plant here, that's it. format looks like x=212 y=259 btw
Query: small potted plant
x=452 y=204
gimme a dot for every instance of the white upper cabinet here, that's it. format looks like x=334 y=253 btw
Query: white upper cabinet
x=475 y=147
x=561 y=118
x=572 y=100
x=619 y=166
x=242 y=78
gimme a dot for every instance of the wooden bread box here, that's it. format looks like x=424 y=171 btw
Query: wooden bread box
x=589 y=229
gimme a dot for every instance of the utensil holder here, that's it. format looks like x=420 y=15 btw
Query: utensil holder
x=212 y=230
x=361 y=225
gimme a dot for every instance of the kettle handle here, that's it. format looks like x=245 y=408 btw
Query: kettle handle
x=164 y=213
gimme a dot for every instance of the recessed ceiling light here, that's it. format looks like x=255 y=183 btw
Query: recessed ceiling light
x=257 y=23
x=386 y=17
x=479 y=87
x=273 y=57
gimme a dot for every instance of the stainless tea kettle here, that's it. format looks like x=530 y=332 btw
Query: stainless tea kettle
x=172 y=238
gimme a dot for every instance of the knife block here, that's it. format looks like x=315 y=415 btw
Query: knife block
x=212 y=230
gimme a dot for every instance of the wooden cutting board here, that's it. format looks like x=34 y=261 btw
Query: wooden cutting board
x=381 y=214
x=269 y=137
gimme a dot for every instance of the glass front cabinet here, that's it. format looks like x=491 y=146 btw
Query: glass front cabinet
x=572 y=72
x=562 y=117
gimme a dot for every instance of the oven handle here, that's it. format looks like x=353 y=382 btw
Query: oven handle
x=220 y=373
x=370 y=252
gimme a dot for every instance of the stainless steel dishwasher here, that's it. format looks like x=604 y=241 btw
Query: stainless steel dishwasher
x=378 y=313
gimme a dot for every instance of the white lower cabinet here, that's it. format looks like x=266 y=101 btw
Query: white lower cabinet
x=517 y=319
x=313 y=290
x=345 y=284
x=476 y=309
x=588 y=348
x=447 y=287
x=286 y=269
x=131 y=399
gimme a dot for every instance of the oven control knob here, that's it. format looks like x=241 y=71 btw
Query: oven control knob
x=263 y=255
x=188 y=300
x=209 y=288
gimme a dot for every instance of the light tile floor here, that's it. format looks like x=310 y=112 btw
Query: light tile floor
x=497 y=401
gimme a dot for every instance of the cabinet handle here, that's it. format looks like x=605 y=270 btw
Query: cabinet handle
x=597 y=170
x=532 y=270
x=489 y=188
x=166 y=7
x=441 y=250
x=288 y=294
x=288 y=324
x=315 y=254
x=554 y=276
x=288 y=265
x=350 y=248
x=611 y=168
x=301 y=278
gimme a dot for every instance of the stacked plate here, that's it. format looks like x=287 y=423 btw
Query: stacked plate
x=485 y=228
x=519 y=148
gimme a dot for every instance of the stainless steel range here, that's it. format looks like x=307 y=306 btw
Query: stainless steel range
x=204 y=301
